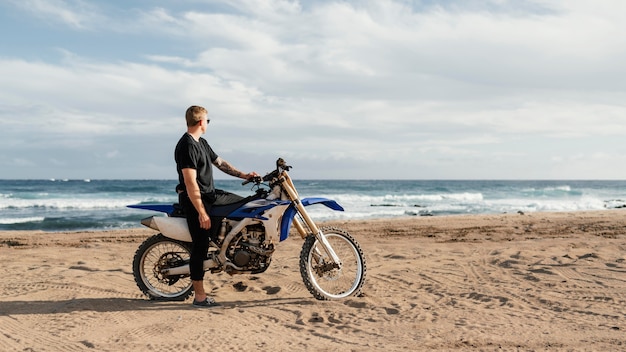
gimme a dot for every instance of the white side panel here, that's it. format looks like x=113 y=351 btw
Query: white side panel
x=272 y=225
x=175 y=228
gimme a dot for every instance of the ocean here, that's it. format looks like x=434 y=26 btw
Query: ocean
x=73 y=205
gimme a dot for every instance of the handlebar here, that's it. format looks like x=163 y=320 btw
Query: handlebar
x=280 y=164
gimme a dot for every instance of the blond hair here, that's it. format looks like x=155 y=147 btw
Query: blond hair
x=194 y=115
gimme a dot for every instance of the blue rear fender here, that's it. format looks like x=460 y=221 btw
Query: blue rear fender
x=163 y=208
x=285 y=226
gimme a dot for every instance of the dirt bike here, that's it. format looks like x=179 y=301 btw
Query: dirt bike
x=332 y=263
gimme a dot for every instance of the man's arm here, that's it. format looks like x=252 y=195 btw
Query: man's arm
x=193 y=192
x=227 y=168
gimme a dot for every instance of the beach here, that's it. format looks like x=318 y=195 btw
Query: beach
x=492 y=282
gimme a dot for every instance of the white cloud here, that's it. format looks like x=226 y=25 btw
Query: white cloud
x=456 y=84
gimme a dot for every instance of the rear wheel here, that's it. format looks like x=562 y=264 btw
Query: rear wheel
x=153 y=256
x=324 y=279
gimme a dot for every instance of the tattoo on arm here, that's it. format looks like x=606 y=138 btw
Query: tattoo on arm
x=227 y=168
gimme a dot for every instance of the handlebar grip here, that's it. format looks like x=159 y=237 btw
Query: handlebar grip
x=255 y=179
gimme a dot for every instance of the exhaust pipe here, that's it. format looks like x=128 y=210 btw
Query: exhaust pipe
x=184 y=269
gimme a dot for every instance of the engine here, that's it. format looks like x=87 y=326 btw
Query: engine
x=248 y=252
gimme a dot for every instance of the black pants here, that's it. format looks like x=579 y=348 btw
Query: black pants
x=200 y=237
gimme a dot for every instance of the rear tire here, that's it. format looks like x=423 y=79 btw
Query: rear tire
x=324 y=281
x=155 y=254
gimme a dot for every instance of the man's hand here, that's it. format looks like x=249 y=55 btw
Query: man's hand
x=250 y=176
x=205 y=221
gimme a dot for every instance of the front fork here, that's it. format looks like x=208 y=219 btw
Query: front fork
x=319 y=235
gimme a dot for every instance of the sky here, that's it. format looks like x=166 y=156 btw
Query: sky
x=341 y=89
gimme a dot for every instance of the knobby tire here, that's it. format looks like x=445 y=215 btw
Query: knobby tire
x=341 y=283
x=151 y=255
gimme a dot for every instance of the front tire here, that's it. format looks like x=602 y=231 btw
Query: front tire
x=324 y=280
x=155 y=254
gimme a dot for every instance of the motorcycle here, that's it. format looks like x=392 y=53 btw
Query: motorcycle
x=332 y=263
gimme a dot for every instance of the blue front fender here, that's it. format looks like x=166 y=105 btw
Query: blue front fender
x=285 y=226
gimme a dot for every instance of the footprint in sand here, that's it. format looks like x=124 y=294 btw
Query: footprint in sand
x=240 y=286
x=271 y=290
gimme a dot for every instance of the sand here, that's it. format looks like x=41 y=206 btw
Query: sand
x=510 y=282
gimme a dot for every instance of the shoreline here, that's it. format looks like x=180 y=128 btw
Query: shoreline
x=402 y=219
x=539 y=281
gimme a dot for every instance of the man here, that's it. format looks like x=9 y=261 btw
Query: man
x=194 y=159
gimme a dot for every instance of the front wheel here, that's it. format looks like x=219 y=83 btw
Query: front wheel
x=153 y=256
x=323 y=278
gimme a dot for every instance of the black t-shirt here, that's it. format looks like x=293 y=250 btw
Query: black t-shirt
x=190 y=154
